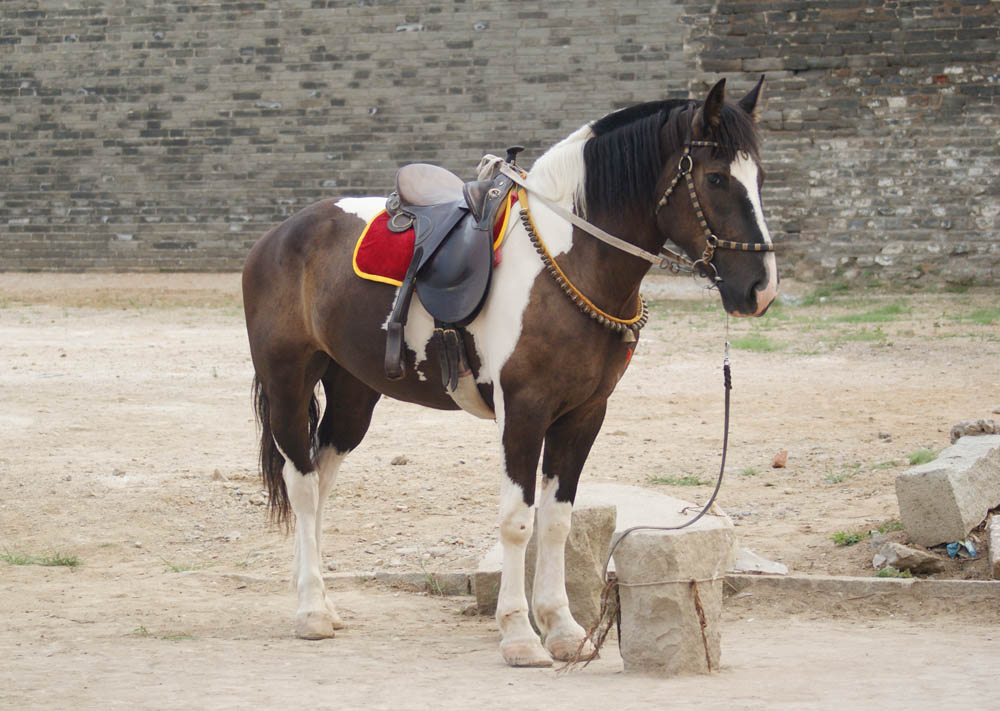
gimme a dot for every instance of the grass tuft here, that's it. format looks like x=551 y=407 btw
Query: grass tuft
x=686 y=480
x=54 y=560
x=846 y=538
x=890 y=572
x=880 y=314
x=757 y=343
x=921 y=456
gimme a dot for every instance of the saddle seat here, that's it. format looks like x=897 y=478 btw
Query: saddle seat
x=424 y=185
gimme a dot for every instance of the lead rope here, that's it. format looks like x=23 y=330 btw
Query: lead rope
x=610 y=612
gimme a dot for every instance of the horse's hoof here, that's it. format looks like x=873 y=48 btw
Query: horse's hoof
x=314 y=625
x=335 y=620
x=525 y=654
x=565 y=649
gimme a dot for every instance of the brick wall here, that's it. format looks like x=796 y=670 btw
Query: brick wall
x=161 y=134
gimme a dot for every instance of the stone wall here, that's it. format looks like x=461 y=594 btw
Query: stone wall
x=162 y=134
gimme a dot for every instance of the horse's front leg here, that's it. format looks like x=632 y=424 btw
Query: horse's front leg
x=567 y=444
x=522 y=443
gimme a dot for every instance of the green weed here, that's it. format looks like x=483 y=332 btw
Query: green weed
x=748 y=471
x=757 y=343
x=846 y=538
x=984 y=317
x=180 y=567
x=843 y=475
x=921 y=456
x=890 y=572
x=54 y=560
x=686 y=480
x=880 y=314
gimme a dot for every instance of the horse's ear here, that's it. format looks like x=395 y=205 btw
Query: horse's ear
x=749 y=102
x=711 y=111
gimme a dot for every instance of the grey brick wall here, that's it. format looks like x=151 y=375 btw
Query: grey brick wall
x=161 y=134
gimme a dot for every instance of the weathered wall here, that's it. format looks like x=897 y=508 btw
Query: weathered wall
x=164 y=134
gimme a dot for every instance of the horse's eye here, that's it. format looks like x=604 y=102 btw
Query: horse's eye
x=715 y=179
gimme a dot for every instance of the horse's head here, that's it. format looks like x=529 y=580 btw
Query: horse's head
x=711 y=180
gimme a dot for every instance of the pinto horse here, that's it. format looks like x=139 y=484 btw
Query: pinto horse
x=544 y=368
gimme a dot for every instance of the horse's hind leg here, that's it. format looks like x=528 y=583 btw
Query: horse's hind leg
x=288 y=390
x=349 y=405
x=567 y=444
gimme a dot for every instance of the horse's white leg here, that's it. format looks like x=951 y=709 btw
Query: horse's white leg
x=327 y=464
x=313 y=619
x=520 y=645
x=562 y=634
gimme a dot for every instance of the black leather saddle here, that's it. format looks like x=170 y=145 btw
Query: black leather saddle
x=452 y=261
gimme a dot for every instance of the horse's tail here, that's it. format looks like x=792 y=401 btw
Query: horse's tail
x=271 y=460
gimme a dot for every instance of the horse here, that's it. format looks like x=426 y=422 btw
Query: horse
x=545 y=356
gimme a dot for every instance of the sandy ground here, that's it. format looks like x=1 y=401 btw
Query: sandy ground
x=127 y=441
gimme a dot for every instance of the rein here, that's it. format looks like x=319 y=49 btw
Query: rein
x=611 y=613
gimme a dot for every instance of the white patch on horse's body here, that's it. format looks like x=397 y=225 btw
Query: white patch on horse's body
x=745 y=170
x=558 y=175
x=364 y=207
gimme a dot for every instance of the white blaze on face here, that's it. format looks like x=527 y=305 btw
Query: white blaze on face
x=745 y=170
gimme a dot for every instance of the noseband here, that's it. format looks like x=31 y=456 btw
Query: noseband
x=703 y=266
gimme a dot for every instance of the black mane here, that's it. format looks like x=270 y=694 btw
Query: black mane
x=623 y=159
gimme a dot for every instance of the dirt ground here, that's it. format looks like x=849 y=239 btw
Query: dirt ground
x=127 y=441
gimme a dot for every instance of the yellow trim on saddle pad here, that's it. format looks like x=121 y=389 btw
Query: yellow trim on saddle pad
x=354 y=258
x=503 y=220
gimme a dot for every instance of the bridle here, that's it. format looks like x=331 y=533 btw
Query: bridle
x=667 y=258
x=703 y=266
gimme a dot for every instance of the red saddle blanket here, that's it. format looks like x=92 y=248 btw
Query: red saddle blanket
x=382 y=255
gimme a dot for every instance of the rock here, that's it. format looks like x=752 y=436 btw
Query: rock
x=397 y=461
x=941 y=501
x=903 y=557
x=780 y=459
x=749 y=562
x=973 y=428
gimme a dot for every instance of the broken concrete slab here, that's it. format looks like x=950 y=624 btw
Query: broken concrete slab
x=941 y=501
x=746 y=561
x=903 y=557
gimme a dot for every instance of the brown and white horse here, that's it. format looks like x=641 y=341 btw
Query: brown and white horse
x=541 y=365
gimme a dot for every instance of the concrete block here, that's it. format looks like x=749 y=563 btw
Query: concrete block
x=941 y=501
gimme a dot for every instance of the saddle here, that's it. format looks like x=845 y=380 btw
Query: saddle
x=452 y=262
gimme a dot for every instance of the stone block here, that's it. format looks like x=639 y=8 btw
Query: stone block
x=670 y=585
x=941 y=501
